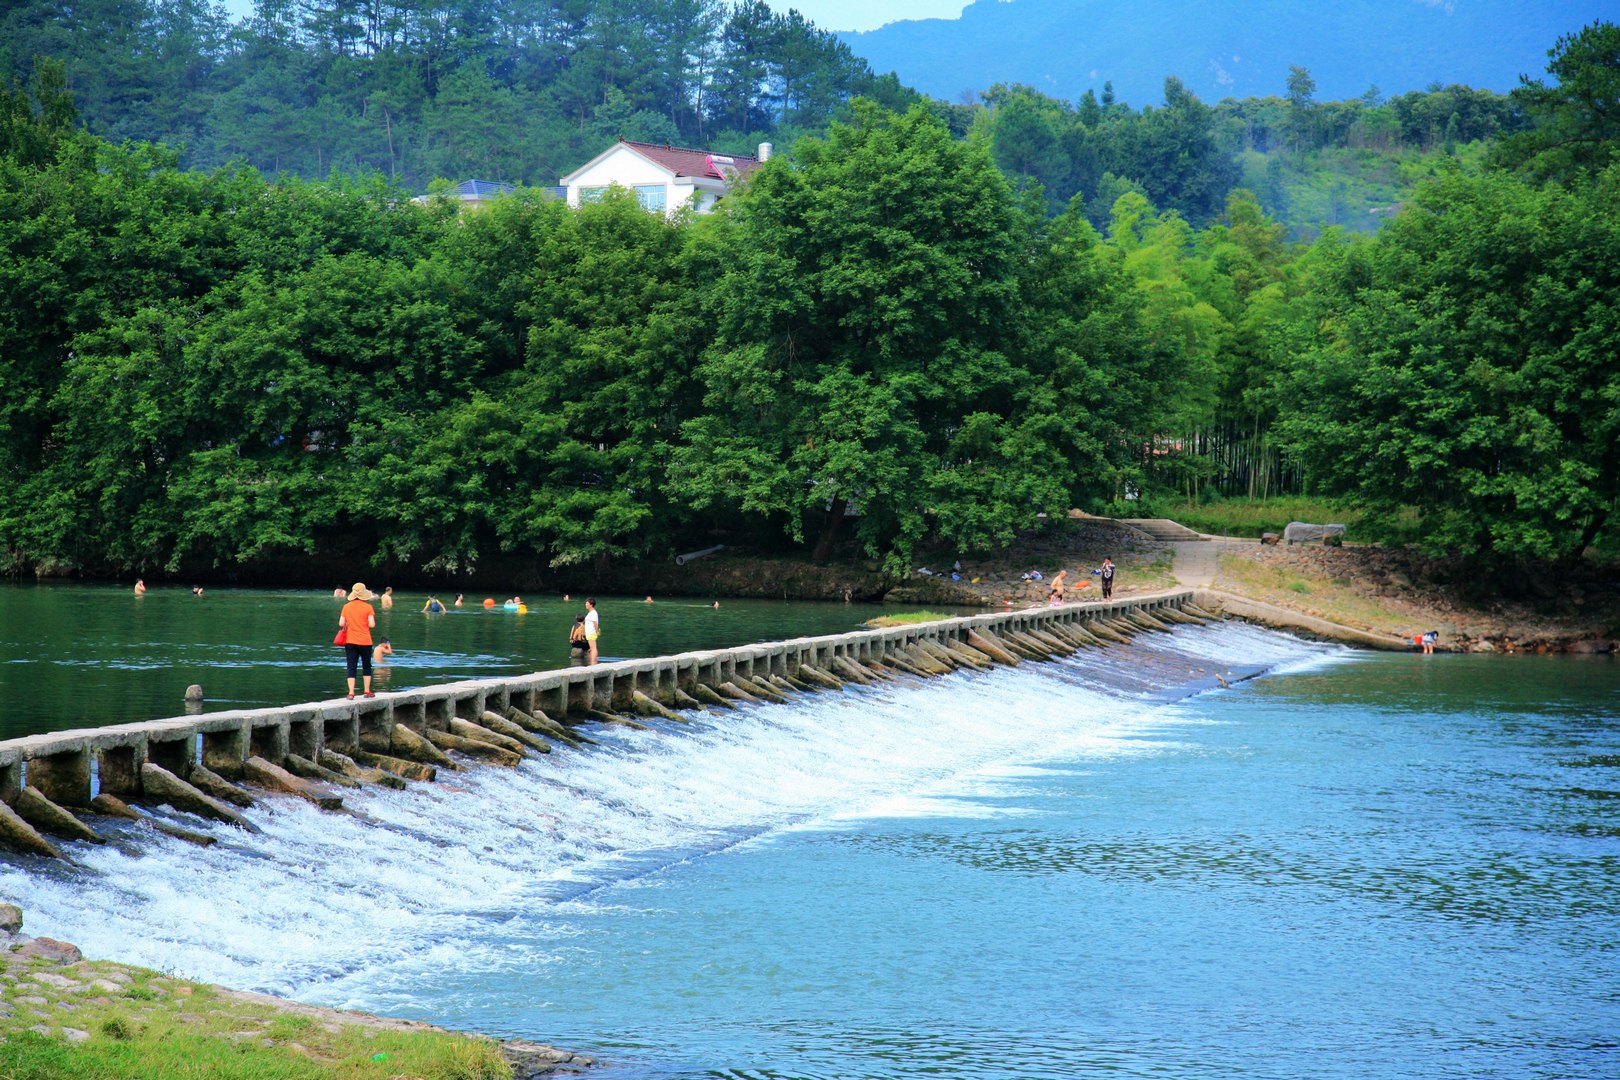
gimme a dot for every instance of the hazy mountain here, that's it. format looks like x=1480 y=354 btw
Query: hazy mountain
x=1226 y=49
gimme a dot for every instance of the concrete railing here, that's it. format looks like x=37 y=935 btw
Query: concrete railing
x=42 y=774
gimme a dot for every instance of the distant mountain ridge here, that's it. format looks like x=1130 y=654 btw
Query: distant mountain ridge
x=1064 y=47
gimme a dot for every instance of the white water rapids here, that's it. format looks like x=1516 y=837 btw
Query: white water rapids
x=325 y=907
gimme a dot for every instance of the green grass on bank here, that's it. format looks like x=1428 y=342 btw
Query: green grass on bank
x=154 y=1027
x=909 y=618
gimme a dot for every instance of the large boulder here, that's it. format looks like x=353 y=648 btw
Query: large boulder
x=49 y=949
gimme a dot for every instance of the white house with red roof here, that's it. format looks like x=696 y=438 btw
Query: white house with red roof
x=663 y=178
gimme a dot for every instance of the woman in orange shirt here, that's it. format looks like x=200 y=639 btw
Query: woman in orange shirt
x=357 y=619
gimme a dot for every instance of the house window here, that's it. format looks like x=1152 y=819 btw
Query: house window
x=650 y=196
x=591 y=194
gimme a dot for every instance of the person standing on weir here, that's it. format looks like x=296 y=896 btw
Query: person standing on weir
x=1106 y=574
x=593 y=628
x=357 y=620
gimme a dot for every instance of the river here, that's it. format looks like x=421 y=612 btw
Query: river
x=1353 y=866
x=75 y=655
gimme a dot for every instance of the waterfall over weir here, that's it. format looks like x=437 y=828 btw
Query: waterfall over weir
x=467 y=875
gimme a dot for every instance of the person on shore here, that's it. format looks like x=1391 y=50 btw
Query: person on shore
x=1105 y=574
x=1429 y=639
x=383 y=648
x=434 y=606
x=388 y=598
x=140 y=587
x=459 y=598
x=357 y=620
x=578 y=646
x=593 y=627
x=1056 y=595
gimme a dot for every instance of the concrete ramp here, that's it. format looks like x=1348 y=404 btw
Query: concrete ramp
x=1162 y=528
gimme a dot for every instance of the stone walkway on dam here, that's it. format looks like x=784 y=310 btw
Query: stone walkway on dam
x=204 y=764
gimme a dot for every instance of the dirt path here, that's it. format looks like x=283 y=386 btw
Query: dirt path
x=1196 y=562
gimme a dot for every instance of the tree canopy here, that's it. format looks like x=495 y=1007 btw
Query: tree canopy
x=888 y=340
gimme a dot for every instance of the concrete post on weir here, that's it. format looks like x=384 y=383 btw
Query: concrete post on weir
x=63 y=778
x=225 y=747
x=195 y=762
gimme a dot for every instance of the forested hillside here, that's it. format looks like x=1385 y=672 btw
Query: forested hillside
x=1313 y=164
x=1220 y=50
x=879 y=343
x=527 y=90
x=520 y=91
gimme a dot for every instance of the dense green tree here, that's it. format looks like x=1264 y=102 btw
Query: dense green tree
x=858 y=364
x=1175 y=157
x=1465 y=366
x=564 y=456
x=1301 y=108
x=1577 y=121
x=1026 y=130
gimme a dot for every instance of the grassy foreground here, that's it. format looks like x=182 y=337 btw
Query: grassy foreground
x=105 y=1021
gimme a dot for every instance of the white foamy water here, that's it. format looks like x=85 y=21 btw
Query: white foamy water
x=320 y=905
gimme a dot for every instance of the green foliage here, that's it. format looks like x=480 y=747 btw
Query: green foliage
x=858 y=359
x=517 y=92
x=878 y=333
x=1577 y=121
x=1464 y=364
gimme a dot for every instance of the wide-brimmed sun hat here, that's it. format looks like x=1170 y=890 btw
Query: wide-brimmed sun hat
x=360 y=592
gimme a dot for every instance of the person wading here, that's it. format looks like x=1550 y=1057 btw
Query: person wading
x=593 y=628
x=356 y=620
x=578 y=646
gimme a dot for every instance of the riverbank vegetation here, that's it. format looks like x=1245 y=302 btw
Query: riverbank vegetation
x=907 y=618
x=881 y=344
x=105 y=1021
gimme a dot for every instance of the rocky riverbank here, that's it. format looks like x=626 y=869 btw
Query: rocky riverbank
x=63 y=1016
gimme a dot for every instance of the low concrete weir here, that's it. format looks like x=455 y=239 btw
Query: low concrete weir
x=397 y=736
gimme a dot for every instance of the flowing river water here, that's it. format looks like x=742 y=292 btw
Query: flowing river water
x=1353 y=865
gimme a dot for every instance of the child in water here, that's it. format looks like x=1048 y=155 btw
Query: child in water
x=577 y=642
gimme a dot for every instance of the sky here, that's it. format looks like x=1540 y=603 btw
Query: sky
x=827 y=14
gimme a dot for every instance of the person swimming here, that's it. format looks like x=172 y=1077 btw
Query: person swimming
x=383 y=648
x=434 y=606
